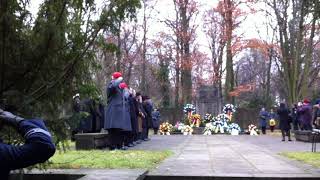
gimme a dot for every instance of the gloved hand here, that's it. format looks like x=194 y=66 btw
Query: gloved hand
x=9 y=118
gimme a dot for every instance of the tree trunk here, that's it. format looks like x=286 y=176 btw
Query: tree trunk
x=229 y=84
x=144 y=51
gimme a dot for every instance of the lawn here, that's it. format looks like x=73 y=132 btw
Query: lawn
x=306 y=157
x=107 y=159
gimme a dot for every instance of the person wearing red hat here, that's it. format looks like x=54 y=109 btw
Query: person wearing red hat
x=305 y=112
x=117 y=113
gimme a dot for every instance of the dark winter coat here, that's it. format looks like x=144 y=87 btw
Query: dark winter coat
x=305 y=112
x=141 y=117
x=88 y=123
x=284 y=118
x=148 y=108
x=155 y=119
x=263 y=118
x=117 y=114
x=134 y=113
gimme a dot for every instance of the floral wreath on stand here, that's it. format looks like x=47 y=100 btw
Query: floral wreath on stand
x=229 y=109
x=165 y=128
x=189 y=109
x=253 y=130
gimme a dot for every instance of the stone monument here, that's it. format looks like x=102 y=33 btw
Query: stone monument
x=207 y=100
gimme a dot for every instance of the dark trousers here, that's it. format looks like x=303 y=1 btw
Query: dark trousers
x=285 y=133
x=296 y=125
x=272 y=128
x=116 y=138
x=155 y=131
x=263 y=129
x=306 y=127
x=145 y=133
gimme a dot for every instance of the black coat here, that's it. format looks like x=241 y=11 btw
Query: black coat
x=148 y=108
x=134 y=113
x=284 y=119
x=155 y=119
x=117 y=113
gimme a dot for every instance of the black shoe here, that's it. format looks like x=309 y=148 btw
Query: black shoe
x=289 y=140
x=283 y=140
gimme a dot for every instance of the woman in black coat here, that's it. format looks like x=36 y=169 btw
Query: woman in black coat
x=285 y=121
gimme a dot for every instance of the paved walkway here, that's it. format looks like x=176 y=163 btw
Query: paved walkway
x=220 y=155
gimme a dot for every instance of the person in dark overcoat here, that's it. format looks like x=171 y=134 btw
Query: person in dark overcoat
x=141 y=117
x=134 y=113
x=294 y=115
x=117 y=113
x=285 y=121
x=305 y=112
x=38 y=146
x=155 y=120
x=263 y=117
x=148 y=107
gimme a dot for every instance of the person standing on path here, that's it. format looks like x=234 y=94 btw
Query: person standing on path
x=272 y=120
x=284 y=118
x=306 y=115
x=316 y=115
x=263 y=116
x=148 y=107
x=117 y=113
x=294 y=115
x=155 y=120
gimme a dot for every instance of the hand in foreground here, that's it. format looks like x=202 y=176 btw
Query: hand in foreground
x=9 y=118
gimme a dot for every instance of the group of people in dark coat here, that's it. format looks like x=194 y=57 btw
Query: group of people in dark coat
x=128 y=115
x=302 y=116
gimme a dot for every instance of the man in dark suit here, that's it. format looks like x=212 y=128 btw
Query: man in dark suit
x=38 y=146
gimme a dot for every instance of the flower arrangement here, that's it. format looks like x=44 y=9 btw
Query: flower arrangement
x=220 y=124
x=179 y=126
x=187 y=130
x=165 y=128
x=195 y=120
x=189 y=108
x=253 y=130
x=208 y=118
x=229 y=108
x=223 y=117
x=234 y=129
x=208 y=129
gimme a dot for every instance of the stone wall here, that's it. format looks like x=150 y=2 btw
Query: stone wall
x=172 y=115
x=246 y=116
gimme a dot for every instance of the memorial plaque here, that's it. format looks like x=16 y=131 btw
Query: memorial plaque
x=207 y=98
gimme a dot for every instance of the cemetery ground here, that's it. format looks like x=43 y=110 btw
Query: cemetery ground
x=196 y=157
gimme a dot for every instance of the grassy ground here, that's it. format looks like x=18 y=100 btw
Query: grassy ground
x=306 y=157
x=108 y=159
